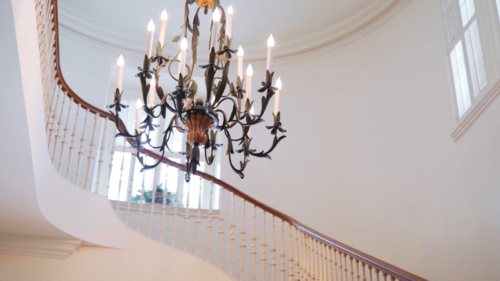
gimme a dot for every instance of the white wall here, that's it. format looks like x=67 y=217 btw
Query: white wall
x=143 y=259
x=369 y=159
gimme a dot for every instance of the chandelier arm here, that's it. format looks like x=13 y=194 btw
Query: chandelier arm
x=263 y=154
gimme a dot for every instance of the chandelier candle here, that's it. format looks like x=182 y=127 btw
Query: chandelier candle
x=229 y=22
x=182 y=57
x=215 y=26
x=152 y=93
x=138 y=107
x=279 y=85
x=151 y=31
x=249 y=81
x=163 y=27
x=198 y=112
x=119 y=76
x=270 y=53
x=241 y=53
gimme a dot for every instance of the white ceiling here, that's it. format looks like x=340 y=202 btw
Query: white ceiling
x=292 y=22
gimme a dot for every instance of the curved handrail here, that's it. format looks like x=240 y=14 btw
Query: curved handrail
x=359 y=255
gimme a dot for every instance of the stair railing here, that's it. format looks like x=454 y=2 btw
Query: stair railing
x=244 y=237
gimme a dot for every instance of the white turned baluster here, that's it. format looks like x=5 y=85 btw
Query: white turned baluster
x=357 y=270
x=198 y=220
x=130 y=184
x=352 y=268
x=221 y=224
x=174 y=223
x=341 y=267
x=309 y=262
x=324 y=260
x=120 y=181
x=363 y=265
x=63 y=143
x=303 y=255
x=330 y=271
x=297 y=253
x=231 y=239
x=91 y=153
x=263 y=246
x=54 y=117
x=72 y=146
x=52 y=97
x=152 y=206
x=316 y=259
x=273 y=250
x=282 y=253
x=186 y=218
x=112 y=153
x=376 y=274
x=209 y=226
x=254 y=242
x=52 y=123
x=80 y=153
x=59 y=125
x=370 y=272
x=346 y=270
x=243 y=245
x=335 y=266
x=101 y=155
x=290 y=254
x=164 y=206
x=141 y=203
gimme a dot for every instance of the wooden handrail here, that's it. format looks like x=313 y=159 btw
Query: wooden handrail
x=363 y=257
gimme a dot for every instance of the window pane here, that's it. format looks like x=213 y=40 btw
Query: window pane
x=498 y=8
x=193 y=187
x=467 y=10
x=460 y=78
x=475 y=56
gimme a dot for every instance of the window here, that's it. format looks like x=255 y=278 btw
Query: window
x=466 y=53
x=473 y=33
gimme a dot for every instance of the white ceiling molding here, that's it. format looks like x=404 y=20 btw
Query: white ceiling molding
x=82 y=28
x=38 y=246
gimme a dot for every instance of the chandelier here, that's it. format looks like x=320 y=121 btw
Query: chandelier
x=200 y=118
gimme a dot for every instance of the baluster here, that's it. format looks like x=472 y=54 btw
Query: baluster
x=120 y=183
x=273 y=250
x=385 y=276
x=321 y=262
x=243 y=246
x=198 y=221
x=325 y=263
x=254 y=242
x=130 y=184
x=357 y=270
x=186 y=218
x=307 y=275
x=297 y=254
x=393 y=278
x=317 y=260
x=371 y=272
x=282 y=253
x=112 y=153
x=59 y=125
x=51 y=106
x=303 y=267
x=345 y=267
x=54 y=117
x=91 y=153
x=263 y=246
x=141 y=203
x=330 y=271
x=209 y=226
x=341 y=267
x=311 y=258
x=63 y=143
x=72 y=146
x=152 y=205
x=80 y=153
x=101 y=155
x=363 y=265
x=221 y=224
x=352 y=268
x=335 y=268
x=231 y=264
x=175 y=215
x=164 y=208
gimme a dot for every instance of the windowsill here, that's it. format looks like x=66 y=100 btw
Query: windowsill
x=169 y=210
x=466 y=121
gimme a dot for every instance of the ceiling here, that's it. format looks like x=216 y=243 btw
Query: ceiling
x=289 y=21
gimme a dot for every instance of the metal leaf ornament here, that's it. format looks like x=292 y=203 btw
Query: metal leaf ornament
x=117 y=101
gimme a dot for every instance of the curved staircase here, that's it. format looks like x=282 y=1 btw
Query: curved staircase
x=231 y=234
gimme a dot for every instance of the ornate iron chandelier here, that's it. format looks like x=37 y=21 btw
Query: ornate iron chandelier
x=201 y=118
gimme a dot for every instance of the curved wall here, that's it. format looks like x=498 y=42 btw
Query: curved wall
x=369 y=159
